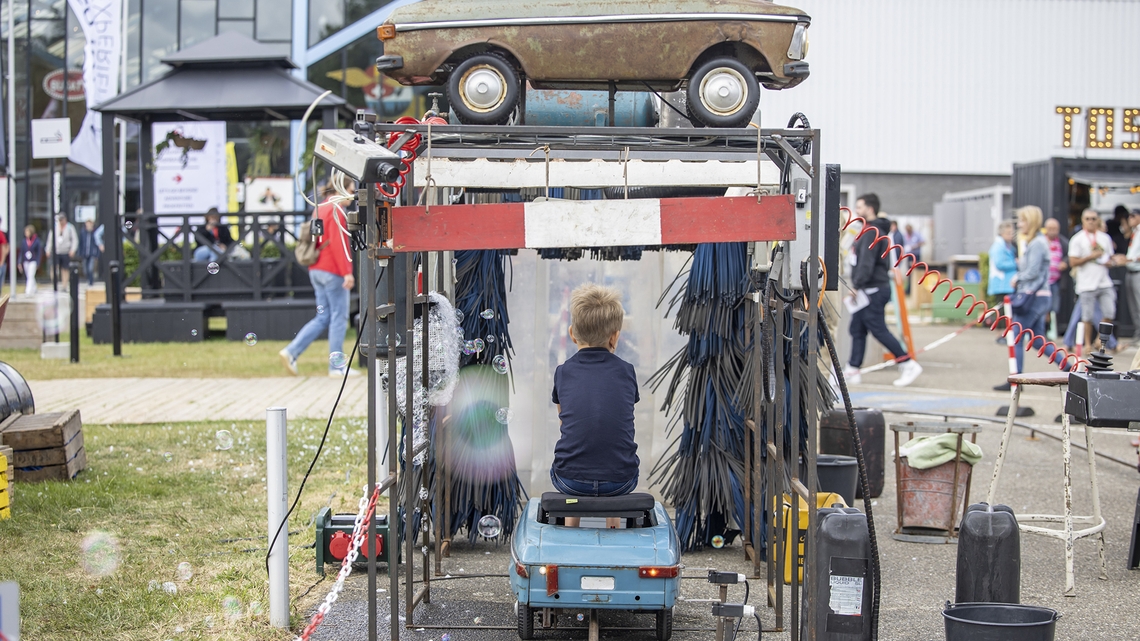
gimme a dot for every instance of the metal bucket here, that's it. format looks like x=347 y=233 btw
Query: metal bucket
x=925 y=495
x=999 y=622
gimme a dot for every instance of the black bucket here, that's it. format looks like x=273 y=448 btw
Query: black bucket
x=839 y=474
x=999 y=622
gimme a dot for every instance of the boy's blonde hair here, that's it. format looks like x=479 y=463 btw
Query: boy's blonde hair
x=595 y=314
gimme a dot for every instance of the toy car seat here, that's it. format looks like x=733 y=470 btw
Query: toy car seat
x=636 y=509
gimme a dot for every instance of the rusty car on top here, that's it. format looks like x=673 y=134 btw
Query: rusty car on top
x=485 y=51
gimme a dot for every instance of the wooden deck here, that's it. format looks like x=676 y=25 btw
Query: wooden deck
x=168 y=400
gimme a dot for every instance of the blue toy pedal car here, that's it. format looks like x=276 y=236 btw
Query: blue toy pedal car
x=636 y=567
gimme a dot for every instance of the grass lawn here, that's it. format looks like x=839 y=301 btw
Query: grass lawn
x=203 y=506
x=212 y=358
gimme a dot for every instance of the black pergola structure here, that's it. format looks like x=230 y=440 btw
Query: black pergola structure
x=232 y=78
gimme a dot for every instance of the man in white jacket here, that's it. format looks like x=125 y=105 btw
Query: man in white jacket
x=65 y=246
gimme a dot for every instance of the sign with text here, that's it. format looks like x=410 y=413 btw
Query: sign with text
x=189 y=167
x=1100 y=127
x=51 y=138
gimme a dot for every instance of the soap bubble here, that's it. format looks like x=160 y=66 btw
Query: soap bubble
x=478 y=345
x=213 y=268
x=445 y=637
x=337 y=360
x=490 y=526
x=251 y=339
x=718 y=541
x=100 y=553
x=255 y=609
x=458 y=315
x=504 y=415
x=169 y=587
x=468 y=348
x=487 y=313
x=193 y=332
x=231 y=608
x=153 y=585
x=225 y=439
x=185 y=571
x=490 y=338
x=129 y=225
x=320 y=309
x=168 y=456
x=208 y=621
x=581 y=617
x=499 y=363
x=423 y=493
x=478 y=620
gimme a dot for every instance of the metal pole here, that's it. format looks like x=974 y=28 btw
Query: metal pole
x=74 y=313
x=368 y=306
x=393 y=492
x=277 y=501
x=12 y=235
x=116 y=312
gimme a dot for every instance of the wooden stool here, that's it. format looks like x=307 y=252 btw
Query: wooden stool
x=1068 y=534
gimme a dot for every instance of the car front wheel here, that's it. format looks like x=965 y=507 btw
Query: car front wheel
x=484 y=90
x=723 y=92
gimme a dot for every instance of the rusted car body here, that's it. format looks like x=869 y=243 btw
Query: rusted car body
x=619 y=45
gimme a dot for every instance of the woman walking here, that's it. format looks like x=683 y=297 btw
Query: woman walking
x=1032 y=298
x=31 y=250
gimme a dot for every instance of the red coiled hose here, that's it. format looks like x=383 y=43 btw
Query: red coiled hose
x=1060 y=356
x=409 y=152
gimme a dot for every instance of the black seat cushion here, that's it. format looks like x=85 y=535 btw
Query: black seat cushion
x=629 y=505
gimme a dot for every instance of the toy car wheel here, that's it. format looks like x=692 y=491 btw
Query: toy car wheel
x=664 y=624
x=484 y=90
x=526 y=621
x=723 y=92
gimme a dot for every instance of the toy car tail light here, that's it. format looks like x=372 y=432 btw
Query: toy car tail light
x=520 y=570
x=658 y=571
x=551 y=572
x=386 y=31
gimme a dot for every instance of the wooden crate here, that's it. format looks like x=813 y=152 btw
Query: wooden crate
x=45 y=446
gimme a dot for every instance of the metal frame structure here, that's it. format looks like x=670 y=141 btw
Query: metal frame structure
x=766 y=483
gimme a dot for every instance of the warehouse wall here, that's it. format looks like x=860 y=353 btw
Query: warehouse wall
x=963 y=87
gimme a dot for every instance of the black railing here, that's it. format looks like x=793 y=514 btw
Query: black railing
x=159 y=257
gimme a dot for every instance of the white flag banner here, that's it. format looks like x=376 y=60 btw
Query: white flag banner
x=101 y=21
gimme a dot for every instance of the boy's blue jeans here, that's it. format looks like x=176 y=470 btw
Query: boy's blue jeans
x=576 y=487
x=332 y=298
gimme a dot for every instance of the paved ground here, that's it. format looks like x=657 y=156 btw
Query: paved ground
x=917 y=579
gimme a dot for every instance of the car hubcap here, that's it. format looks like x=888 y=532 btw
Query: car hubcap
x=723 y=91
x=484 y=88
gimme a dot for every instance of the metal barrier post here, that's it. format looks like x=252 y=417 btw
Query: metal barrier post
x=278 y=505
x=74 y=313
x=116 y=316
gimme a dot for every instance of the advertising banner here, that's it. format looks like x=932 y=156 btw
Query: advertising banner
x=190 y=167
x=101 y=21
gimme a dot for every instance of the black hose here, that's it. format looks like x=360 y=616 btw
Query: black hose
x=864 y=486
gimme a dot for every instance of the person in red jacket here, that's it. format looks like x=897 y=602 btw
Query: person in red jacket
x=332 y=281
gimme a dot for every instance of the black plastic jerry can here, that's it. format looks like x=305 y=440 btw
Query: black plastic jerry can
x=844 y=579
x=989 y=556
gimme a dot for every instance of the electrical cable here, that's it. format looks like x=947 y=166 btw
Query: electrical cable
x=864 y=485
x=304 y=131
x=736 y=628
x=324 y=437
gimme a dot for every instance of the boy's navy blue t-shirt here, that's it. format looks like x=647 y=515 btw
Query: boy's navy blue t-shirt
x=596 y=391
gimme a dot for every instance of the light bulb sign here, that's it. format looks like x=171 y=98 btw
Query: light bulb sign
x=1100 y=127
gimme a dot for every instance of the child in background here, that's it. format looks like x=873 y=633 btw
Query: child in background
x=595 y=392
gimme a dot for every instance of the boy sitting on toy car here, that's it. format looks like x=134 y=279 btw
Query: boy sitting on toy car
x=595 y=392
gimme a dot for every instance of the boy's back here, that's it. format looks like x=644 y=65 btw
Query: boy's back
x=596 y=392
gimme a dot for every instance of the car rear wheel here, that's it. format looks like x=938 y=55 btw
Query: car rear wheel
x=526 y=621
x=664 y=624
x=484 y=90
x=723 y=92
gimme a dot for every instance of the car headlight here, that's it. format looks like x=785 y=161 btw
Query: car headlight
x=799 y=46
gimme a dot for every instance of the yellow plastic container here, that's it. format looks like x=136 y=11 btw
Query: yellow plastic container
x=5 y=500
x=822 y=499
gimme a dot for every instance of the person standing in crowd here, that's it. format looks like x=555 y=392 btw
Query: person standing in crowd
x=1131 y=261
x=31 y=250
x=66 y=244
x=1090 y=252
x=1032 y=296
x=871 y=281
x=90 y=250
x=1003 y=263
x=913 y=242
x=1058 y=262
x=332 y=282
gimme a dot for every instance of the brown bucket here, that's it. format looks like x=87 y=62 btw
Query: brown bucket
x=925 y=495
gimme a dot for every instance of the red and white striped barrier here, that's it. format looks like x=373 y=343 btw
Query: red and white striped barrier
x=593 y=223
x=1010 y=339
